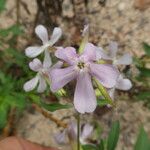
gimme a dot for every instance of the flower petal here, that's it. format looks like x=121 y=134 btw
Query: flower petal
x=57 y=32
x=72 y=130
x=35 y=65
x=67 y=54
x=84 y=97
x=60 y=77
x=123 y=84
x=100 y=53
x=87 y=131
x=42 y=33
x=113 y=48
x=31 y=84
x=61 y=138
x=106 y=74
x=90 y=51
x=126 y=59
x=33 y=51
x=47 y=60
x=42 y=85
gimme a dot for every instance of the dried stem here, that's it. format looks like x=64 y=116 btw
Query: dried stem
x=50 y=116
x=8 y=128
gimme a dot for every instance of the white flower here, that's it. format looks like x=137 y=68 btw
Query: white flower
x=42 y=71
x=126 y=59
x=42 y=33
x=71 y=132
x=121 y=84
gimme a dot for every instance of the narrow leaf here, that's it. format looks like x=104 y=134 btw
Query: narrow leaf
x=143 y=142
x=113 y=136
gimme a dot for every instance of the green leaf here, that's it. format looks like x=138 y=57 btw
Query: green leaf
x=89 y=147
x=54 y=106
x=101 y=145
x=113 y=136
x=2 y=5
x=14 y=29
x=143 y=142
x=144 y=72
x=146 y=48
x=143 y=96
x=102 y=102
x=3 y=114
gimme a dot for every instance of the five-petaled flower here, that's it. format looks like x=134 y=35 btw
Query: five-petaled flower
x=42 y=33
x=82 y=68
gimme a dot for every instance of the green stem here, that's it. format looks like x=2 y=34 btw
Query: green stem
x=104 y=92
x=78 y=131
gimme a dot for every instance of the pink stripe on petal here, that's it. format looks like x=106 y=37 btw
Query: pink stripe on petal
x=84 y=97
x=60 y=77
x=67 y=54
x=106 y=74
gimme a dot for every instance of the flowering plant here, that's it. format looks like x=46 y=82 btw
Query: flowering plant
x=90 y=66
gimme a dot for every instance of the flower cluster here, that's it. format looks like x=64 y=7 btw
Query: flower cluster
x=69 y=134
x=82 y=66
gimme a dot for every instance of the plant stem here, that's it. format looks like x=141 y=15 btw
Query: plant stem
x=78 y=131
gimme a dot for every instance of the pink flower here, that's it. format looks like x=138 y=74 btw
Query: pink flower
x=82 y=68
x=71 y=133
x=126 y=59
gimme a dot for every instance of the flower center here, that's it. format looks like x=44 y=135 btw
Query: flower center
x=81 y=65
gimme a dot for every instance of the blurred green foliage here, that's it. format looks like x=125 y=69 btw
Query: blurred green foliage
x=143 y=66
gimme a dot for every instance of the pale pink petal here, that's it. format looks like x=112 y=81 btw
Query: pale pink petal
x=57 y=32
x=59 y=64
x=31 y=84
x=67 y=54
x=42 y=85
x=113 y=48
x=61 y=138
x=84 y=97
x=89 y=52
x=126 y=59
x=35 y=65
x=47 y=59
x=33 y=51
x=72 y=130
x=42 y=33
x=60 y=77
x=87 y=131
x=123 y=84
x=100 y=53
x=106 y=74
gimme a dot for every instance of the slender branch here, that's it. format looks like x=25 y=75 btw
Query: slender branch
x=50 y=116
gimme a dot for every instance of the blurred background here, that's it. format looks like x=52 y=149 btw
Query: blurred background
x=127 y=22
